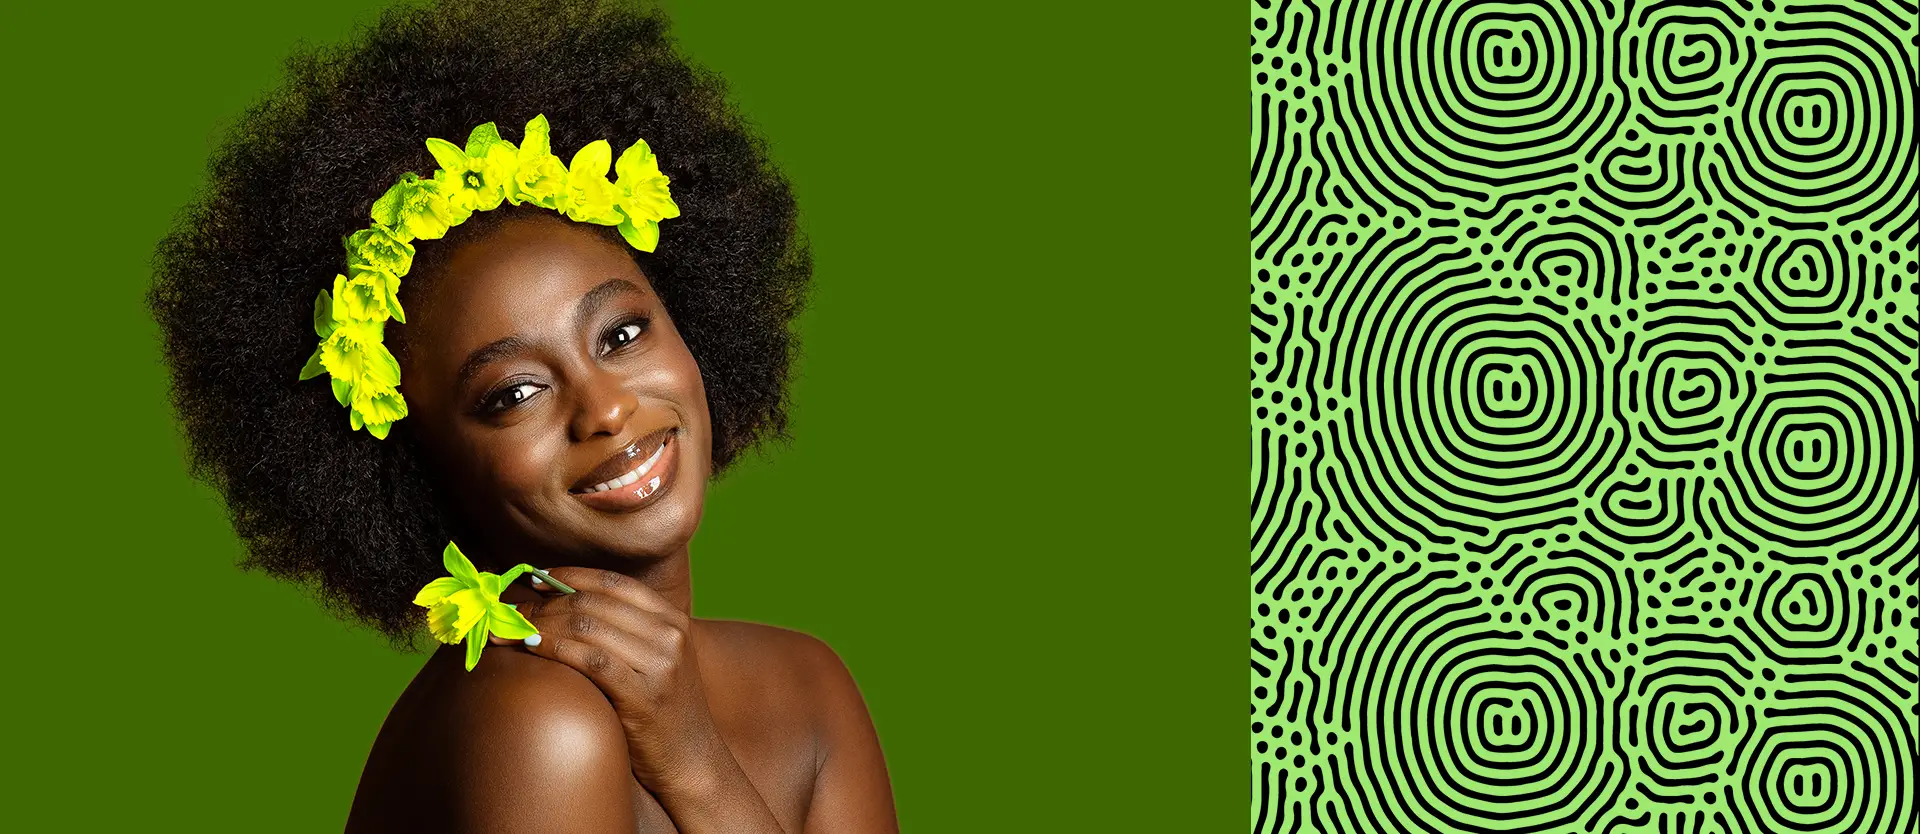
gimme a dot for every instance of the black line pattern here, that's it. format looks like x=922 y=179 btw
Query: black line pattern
x=1585 y=371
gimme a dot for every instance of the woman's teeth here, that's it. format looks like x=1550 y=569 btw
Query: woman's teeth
x=630 y=477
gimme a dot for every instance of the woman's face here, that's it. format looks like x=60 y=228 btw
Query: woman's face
x=554 y=400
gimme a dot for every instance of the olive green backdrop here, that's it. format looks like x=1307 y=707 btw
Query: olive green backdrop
x=1016 y=504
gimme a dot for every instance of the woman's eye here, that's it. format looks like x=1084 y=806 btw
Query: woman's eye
x=626 y=334
x=509 y=397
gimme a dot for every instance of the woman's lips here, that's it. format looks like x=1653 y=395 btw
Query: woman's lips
x=637 y=487
x=623 y=460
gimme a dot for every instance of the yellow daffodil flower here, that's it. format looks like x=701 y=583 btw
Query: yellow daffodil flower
x=589 y=197
x=377 y=409
x=416 y=208
x=641 y=191
x=539 y=177
x=466 y=605
x=478 y=177
x=354 y=352
x=365 y=374
x=370 y=295
x=376 y=247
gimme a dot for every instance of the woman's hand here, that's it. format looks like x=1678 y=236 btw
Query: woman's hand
x=638 y=649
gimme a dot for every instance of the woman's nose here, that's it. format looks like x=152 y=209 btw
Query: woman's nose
x=605 y=406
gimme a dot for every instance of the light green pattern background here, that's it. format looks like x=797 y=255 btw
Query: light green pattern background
x=1583 y=399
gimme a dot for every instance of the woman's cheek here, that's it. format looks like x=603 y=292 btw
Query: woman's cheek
x=519 y=475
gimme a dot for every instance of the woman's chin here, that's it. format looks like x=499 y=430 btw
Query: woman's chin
x=661 y=530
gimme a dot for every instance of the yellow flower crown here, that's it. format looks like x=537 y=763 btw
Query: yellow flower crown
x=352 y=319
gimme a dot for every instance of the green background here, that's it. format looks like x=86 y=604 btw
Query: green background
x=1015 y=504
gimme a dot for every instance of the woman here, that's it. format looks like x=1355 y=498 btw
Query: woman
x=567 y=394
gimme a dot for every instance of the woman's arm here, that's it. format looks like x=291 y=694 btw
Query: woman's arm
x=851 y=793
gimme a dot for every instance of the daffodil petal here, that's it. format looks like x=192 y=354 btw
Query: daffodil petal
x=393 y=302
x=476 y=640
x=534 y=143
x=386 y=210
x=448 y=155
x=490 y=586
x=459 y=566
x=594 y=160
x=636 y=162
x=437 y=590
x=506 y=622
x=643 y=236
x=323 y=314
x=313 y=367
x=481 y=138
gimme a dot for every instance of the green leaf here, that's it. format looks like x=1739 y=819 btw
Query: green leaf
x=313 y=367
x=449 y=155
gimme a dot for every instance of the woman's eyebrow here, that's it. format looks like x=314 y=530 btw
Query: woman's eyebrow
x=507 y=346
x=487 y=354
x=596 y=297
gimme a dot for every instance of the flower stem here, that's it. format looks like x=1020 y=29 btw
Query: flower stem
x=548 y=578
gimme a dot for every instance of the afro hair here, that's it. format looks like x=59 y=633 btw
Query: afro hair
x=356 y=519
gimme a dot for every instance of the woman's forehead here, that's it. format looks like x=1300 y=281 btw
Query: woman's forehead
x=523 y=271
x=522 y=278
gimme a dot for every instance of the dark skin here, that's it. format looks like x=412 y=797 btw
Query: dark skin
x=630 y=714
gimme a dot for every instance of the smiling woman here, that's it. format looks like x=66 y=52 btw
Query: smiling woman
x=567 y=401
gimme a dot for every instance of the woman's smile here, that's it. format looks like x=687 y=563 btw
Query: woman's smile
x=620 y=485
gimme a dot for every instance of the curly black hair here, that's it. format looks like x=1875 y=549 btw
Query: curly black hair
x=355 y=519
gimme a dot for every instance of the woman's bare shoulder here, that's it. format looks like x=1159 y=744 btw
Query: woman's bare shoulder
x=513 y=745
x=773 y=656
x=786 y=670
x=849 y=787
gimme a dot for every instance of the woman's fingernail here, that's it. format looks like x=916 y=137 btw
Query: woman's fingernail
x=532 y=640
x=537 y=580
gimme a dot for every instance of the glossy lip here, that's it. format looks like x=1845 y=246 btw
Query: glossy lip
x=623 y=461
x=643 y=492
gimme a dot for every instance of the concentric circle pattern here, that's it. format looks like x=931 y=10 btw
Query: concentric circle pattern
x=1584 y=395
